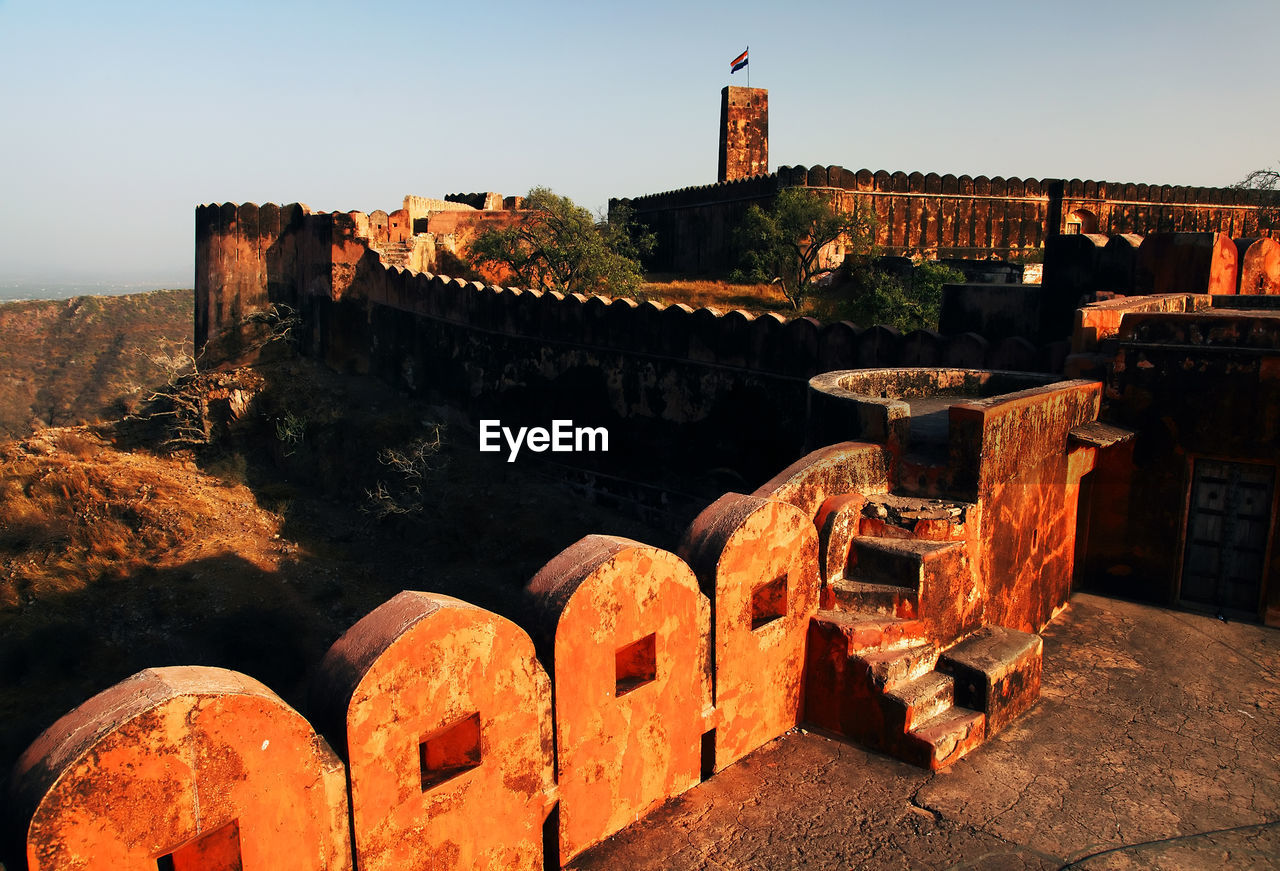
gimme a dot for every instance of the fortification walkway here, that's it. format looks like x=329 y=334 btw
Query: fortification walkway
x=1156 y=744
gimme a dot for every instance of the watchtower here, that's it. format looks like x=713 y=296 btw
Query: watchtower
x=744 y=133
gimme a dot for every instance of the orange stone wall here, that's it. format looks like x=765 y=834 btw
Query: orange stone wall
x=628 y=629
x=1259 y=266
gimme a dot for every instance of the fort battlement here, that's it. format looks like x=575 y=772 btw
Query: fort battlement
x=430 y=728
x=680 y=379
x=944 y=216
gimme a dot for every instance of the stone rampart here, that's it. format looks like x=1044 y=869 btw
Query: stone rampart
x=680 y=389
x=442 y=718
x=632 y=674
x=944 y=216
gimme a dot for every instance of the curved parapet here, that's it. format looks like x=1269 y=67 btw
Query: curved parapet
x=189 y=766
x=445 y=716
x=625 y=628
x=758 y=561
x=845 y=467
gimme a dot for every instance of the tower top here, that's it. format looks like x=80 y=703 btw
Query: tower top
x=744 y=133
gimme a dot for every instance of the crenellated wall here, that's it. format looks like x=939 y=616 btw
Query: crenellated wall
x=443 y=736
x=435 y=743
x=944 y=216
x=681 y=390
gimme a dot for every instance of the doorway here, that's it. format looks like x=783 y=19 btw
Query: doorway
x=1228 y=525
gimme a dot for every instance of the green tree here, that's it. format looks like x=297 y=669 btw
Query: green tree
x=560 y=246
x=912 y=302
x=784 y=243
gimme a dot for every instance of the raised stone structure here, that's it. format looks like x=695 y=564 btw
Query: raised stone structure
x=183 y=767
x=744 y=133
x=443 y=714
x=625 y=632
x=1181 y=509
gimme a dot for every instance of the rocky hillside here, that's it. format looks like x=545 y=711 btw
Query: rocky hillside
x=86 y=359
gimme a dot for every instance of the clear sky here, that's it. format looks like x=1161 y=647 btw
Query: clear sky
x=119 y=118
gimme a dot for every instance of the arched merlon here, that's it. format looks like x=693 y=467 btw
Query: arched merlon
x=625 y=629
x=757 y=560
x=178 y=762
x=444 y=714
x=846 y=467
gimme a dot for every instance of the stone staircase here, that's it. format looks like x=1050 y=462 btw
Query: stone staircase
x=894 y=663
x=395 y=253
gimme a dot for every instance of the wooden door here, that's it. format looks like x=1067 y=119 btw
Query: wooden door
x=1228 y=523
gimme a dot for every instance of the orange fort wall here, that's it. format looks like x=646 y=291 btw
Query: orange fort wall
x=462 y=752
x=757 y=561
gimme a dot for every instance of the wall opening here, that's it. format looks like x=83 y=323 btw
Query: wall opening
x=1081 y=221
x=708 y=754
x=218 y=850
x=637 y=664
x=551 y=840
x=448 y=752
x=769 y=602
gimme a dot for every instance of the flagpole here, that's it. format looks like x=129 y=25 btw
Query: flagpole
x=748 y=67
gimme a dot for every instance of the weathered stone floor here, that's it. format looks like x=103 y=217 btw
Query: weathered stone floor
x=1156 y=744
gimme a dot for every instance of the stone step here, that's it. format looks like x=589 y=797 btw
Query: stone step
x=997 y=671
x=944 y=739
x=836 y=677
x=920 y=700
x=888 y=669
x=898 y=561
x=880 y=599
x=860 y=633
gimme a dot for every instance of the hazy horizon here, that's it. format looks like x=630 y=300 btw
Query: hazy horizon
x=132 y=114
x=23 y=291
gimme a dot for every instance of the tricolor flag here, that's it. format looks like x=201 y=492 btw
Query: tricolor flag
x=738 y=62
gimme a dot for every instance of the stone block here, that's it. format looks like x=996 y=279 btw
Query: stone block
x=1259 y=266
x=997 y=671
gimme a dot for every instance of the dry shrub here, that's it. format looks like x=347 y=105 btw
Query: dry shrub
x=78 y=443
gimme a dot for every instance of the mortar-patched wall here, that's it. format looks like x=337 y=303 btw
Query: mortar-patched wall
x=444 y=714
